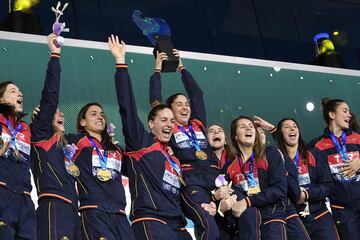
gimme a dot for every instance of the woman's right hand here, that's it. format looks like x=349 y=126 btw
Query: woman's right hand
x=51 y=38
x=263 y=123
x=223 y=192
x=117 y=48
x=160 y=57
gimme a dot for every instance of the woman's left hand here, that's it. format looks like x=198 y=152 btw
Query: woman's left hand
x=350 y=168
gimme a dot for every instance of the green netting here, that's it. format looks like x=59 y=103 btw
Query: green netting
x=230 y=89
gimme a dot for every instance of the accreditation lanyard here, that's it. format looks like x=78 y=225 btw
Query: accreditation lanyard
x=249 y=176
x=103 y=158
x=340 y=148
x=191 y=136
x=13 y=132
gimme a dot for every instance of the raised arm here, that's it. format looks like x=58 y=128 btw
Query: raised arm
x=155 y=80
x=194 y=92
x=41 y=127
x=134 y=132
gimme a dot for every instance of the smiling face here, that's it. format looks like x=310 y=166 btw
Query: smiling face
x=94 y=120
x=245 y=132
x=58 y=121
x=290 y=132
x=341 y=117
x=13 y=96
x=216 y=137
x=181 y=109
x=162 y=124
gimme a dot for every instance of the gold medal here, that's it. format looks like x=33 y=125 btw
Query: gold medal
x=103 y=175
x=201 y=155
x=73 y=170
x=253 y=190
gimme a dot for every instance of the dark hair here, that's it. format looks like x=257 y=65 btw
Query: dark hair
x=259 y=148
x=228 y=146
x=280 y=140
x=170 y=100
x=3 y=87
x=6 y=108
x=106 y=139
x=154 y=111
x=329 y=105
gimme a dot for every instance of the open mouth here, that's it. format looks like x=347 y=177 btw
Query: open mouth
x=292 y=135
x=216 y=139
x=184 y=114
x=167 y=132
x=60 y=122
x=248 y=134
x=19 y=101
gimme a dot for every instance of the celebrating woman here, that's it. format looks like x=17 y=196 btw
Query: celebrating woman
x=51 y=158
x=198 y=165
x=341 y=146
x=260 y=174
x=154 y=174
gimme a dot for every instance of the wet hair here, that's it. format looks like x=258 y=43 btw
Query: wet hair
x=155 y=110
x=106 y=139
x=3 y=87
x=228 y=146
x=170 y=100
x=329 y=105
x=281 y=144
x=259 y=148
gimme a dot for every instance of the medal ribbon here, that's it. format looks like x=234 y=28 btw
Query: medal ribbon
x=172 y=164
x=68 y=154
x=249 y=176
x=341 y=149
x=13 y=132
x=103 y=158
x=297 y=160
x=192 y=137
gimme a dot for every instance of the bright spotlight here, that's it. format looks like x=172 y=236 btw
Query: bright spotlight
x=310 y=106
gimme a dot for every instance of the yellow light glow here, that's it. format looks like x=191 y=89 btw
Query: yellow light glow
x=336 y=33
x=23 y=5
x=326 y=45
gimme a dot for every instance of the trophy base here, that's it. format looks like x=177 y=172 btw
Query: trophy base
x=164 y=44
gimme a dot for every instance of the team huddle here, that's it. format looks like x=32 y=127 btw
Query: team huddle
x=178 y=167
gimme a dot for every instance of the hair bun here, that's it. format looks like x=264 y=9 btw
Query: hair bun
x=325 y=101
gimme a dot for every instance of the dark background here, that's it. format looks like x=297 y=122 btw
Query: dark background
x=275 y=30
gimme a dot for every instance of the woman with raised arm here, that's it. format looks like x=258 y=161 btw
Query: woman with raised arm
x=154 y=175
x=199 y=166
x=51 y=160
x=341 y=147
x=260 y=174
x=17 y=211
